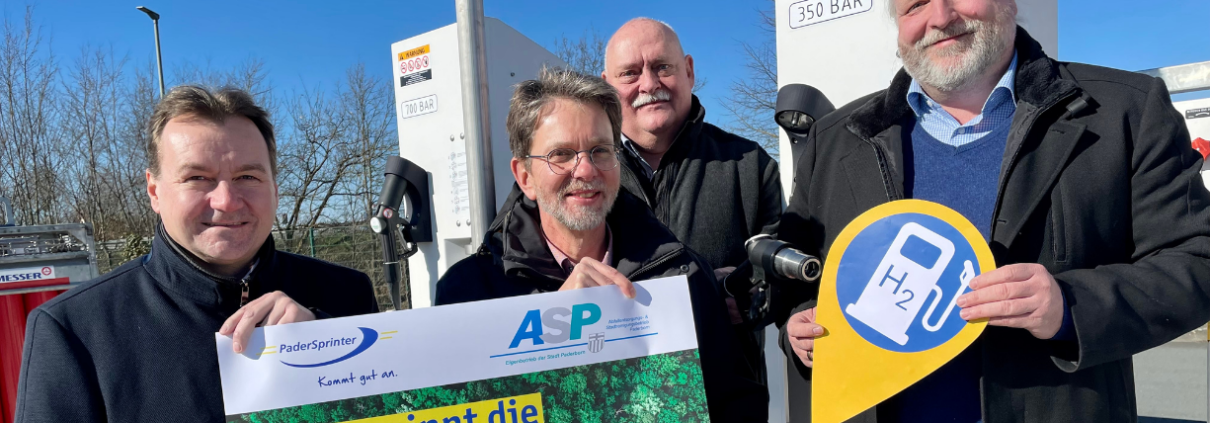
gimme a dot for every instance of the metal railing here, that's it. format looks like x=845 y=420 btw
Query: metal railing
x=353 y=246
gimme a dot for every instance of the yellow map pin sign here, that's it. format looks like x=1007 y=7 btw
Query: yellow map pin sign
x=887 y=299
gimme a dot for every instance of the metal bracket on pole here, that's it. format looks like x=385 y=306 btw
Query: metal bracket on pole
x=475 y=118
x=1183 y=78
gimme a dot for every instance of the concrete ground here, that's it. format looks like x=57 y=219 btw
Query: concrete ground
x=1170 y=382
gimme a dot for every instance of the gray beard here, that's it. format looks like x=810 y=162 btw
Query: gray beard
x=583 y=220
x=975 y=56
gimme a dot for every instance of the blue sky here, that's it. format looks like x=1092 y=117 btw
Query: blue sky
x=313 y=42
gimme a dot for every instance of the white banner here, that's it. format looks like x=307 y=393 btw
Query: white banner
x=27 y=274
x=336 y=359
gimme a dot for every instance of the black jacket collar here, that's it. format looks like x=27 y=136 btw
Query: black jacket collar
x=178 y=271
x=1038 y=83
x=690 y=130
x=516 y=243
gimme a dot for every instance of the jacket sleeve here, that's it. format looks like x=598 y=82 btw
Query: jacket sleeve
x=732 y=391
x=371 y=300
x=354 y=299
x=58 y=379
x=799 y=228
x=1122 y=309
x=771 y=198
x=465 y=281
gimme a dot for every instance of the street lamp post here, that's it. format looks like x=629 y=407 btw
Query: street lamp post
x=159 y=63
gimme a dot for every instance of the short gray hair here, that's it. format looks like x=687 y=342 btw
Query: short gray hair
x=215 y=106
x=531 y=97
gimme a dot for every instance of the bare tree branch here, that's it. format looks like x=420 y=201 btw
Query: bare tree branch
x=753 y=98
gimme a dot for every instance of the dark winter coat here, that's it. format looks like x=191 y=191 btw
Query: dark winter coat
x=1099 y=184
x=137 y=344
x=515 y=260
x=712 y=189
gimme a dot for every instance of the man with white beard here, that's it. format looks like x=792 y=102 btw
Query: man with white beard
x=567 y=226
x=1083 y=182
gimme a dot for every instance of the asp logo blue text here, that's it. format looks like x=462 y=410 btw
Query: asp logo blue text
x=531 y=326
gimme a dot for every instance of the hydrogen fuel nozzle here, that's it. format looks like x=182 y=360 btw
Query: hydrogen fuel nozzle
x=394 y=217
x=771 y=261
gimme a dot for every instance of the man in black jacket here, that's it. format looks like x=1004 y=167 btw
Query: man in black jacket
x=567 y=226
x=137 y=344
x=1083 y=182
x=713 y=189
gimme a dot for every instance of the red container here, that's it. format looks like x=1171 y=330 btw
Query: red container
x=12 y=336
x=14 y=308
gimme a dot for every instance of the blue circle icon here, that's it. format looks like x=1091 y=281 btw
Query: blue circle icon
x=898 y=281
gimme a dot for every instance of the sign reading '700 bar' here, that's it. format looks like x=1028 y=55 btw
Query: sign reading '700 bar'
x=810 y=12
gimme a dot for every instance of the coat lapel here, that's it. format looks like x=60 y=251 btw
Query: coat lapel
x=1032 y=164
x=1036 y=172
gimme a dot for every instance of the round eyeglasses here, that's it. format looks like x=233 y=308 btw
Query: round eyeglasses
x=564 y=160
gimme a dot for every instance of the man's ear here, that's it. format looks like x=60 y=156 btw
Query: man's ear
x=524 y=178
x=689 y=69
x=152 y=186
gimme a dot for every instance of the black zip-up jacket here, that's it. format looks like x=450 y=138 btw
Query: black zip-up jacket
x=712 y=189
x=515 y=260
x=137 y=344
x=1099 y=184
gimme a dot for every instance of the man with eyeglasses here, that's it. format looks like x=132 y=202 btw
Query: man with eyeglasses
x=567 y=226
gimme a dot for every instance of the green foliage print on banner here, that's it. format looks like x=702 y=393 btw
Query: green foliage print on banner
x=662 y=388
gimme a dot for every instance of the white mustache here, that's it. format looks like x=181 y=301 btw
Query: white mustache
x=645 y=99
x=955 y=29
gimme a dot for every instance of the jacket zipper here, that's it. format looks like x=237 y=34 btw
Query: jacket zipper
x=882 y=169
x=243 y=292
x=652 y=264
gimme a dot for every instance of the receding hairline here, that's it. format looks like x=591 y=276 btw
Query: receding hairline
x=217 y=120
x=666 y=29
x=556 y=101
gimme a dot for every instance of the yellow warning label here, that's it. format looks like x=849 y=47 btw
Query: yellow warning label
x=416 y=52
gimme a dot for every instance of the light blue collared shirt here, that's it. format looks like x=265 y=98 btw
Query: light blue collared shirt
x=997 y=110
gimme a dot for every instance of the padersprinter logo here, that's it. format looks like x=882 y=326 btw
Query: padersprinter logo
x=368 y=338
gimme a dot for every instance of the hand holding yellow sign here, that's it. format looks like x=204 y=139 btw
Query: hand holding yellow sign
x=888 y=299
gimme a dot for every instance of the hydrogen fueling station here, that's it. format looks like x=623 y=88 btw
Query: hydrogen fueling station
x=453 y=84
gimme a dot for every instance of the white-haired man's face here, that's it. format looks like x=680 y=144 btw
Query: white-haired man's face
x=653 y=76
x=947 y=44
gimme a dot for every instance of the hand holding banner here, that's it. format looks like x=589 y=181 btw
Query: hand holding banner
x=584 y=354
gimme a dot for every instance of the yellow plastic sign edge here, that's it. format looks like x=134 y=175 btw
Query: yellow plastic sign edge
x=857 y=390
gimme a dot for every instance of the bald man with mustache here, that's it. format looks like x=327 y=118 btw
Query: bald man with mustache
x=711 y=188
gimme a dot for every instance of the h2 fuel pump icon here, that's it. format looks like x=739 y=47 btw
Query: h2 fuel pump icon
x=909 y=271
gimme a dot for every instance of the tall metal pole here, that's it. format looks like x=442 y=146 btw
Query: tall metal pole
x=476 y=121
x=159 y=63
